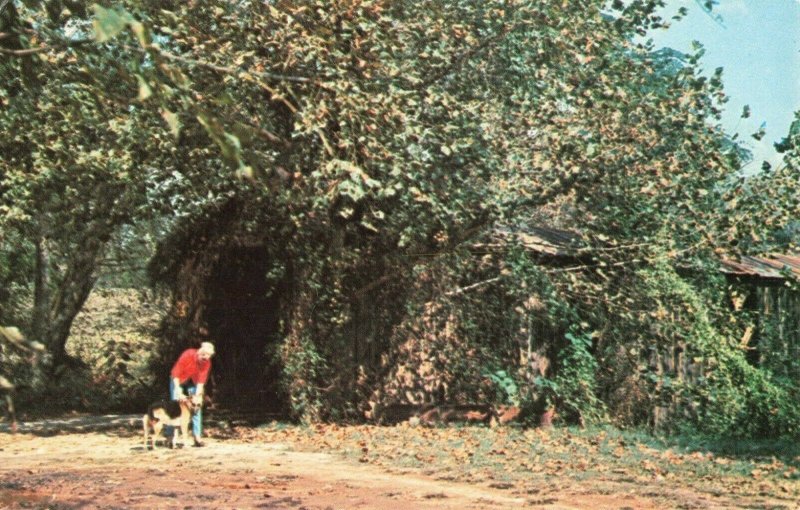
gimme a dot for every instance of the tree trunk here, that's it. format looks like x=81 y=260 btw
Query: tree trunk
x=76 y=284
x=41 y=293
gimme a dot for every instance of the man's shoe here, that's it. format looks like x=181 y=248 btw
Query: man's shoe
x=198 y=444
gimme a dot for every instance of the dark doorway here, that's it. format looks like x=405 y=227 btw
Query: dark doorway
x=242 y=318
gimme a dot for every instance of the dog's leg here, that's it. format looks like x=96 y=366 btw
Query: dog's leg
x=174 y=440
x=145 y=426
x=158 y=425
x=185 y=418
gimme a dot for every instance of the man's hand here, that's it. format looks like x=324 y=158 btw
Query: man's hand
x=177 y=389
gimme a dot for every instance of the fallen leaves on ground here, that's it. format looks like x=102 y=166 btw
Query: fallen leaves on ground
x=543 y=461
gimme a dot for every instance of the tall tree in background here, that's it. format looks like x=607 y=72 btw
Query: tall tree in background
x=74 y=168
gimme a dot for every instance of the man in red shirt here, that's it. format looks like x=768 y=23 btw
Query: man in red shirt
x=190 y=373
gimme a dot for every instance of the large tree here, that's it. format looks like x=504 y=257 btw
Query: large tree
x=76 y=161
x=375 y=137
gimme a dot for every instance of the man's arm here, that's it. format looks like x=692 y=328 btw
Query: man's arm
x=175 y=375
x=177 y=390
x=197 y=398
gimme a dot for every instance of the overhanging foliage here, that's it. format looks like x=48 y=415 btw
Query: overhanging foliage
x=371 y=141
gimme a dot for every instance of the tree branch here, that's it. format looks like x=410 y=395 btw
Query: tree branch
x=24 y=52
x=472 y=286
x=232 y=70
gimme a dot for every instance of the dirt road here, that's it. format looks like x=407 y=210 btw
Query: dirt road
x=110 y=469
x=113 y=470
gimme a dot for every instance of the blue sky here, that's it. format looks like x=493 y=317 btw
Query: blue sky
x=757 y=42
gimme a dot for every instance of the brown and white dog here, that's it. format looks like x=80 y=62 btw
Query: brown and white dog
x=174 y=413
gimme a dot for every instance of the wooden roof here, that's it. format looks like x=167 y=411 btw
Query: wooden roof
x=563 y=243
x=772 y=267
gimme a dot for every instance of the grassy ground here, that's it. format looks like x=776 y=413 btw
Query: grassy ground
x=538 y=459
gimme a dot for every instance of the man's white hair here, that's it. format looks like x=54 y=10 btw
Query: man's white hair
x=207 y=347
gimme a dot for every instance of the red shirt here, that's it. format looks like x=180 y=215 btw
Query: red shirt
x=189 y=366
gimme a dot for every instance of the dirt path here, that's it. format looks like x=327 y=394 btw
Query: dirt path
x=109 y=470
x=91 y=462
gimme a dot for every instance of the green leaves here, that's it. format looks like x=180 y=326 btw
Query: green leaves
x=108 y=23
x=172 y=121
x=144 y=88
x=758 y=135
x=746 y=112
x=227 y=142
x=15 y=338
